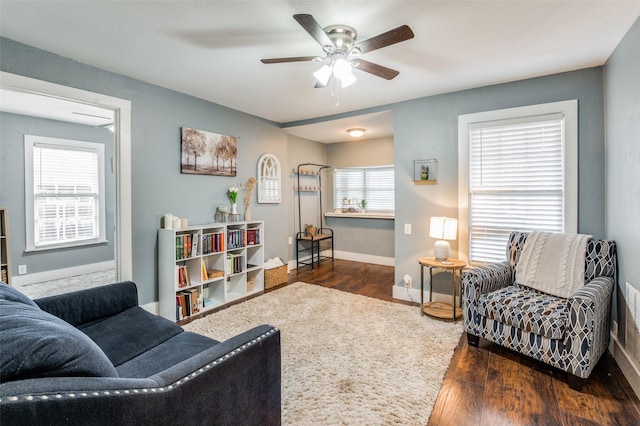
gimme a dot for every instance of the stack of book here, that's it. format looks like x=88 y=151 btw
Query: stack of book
x=187 y=303
x=236 y=238
x=253 y=236
x=234 y=263
x=186 y=246
x=212 y=243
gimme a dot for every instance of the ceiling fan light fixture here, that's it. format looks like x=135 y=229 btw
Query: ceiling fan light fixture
x=341 y=68
x=342 y=71
x=323 y=74
x=347 y=79
x=356 y=133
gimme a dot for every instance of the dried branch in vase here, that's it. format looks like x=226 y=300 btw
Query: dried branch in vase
x=247 y=188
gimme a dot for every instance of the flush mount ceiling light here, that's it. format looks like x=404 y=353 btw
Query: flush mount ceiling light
x=343 y=54
x=356 y=133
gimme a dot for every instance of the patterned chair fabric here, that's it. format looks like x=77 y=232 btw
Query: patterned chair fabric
x=570 y=334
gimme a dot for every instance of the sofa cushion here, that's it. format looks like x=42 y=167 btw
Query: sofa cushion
x=130 y=333
x=12 y=294
x=164 y=356
x=35 y=343
x=527 y=309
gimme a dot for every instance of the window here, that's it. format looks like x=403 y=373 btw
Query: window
x=518 y=172
x=373 y=184
x=64 y=192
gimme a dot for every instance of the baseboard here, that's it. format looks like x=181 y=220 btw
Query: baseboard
x=365 y=258
x=354 y=257
x=55 y=274
x=413 y=295
x=406 y=293
x=628 y=367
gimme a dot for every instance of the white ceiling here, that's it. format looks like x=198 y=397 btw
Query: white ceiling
x=212 y=49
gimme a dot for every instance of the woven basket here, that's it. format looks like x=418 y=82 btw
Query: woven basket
x=275 y=276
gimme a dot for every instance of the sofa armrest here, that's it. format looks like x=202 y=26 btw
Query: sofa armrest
x=486 y=279
x=235 y=382
x=84 y=306
x=477 y=281
x=589 y=322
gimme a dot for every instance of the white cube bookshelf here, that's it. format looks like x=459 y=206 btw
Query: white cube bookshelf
x=204 y=267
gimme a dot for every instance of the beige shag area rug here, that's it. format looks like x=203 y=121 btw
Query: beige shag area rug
x=347 y=359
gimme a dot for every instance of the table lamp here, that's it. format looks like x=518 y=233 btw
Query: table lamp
x=443 y=228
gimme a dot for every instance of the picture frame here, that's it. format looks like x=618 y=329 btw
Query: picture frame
x=207 y=153
x=425 y=172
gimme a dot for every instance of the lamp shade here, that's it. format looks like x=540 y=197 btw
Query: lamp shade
x=443 y=228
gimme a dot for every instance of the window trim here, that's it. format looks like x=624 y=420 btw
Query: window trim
x=569 y=109
x=30 y=141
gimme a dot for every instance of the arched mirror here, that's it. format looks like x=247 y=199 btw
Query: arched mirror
x=269 y=182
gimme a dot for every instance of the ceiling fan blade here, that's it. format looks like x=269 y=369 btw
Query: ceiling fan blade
x=393 y=36
x=292 y=59
x=375 y=69
x=314 y=29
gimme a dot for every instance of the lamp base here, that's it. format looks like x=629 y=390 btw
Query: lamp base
x=441 y=250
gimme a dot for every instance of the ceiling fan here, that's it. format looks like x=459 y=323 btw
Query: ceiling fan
x=343 y=53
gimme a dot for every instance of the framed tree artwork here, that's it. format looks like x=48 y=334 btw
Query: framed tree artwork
x=208 y=153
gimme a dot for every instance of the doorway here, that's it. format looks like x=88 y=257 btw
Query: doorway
x=119 y=113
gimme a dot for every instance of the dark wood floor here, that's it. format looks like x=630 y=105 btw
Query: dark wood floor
x=490 y=385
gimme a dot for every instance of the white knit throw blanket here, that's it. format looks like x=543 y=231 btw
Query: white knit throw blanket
x=553 y=263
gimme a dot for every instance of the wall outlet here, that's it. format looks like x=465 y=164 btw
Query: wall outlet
x=22 y=269
x=407 y=229
x=290 y=240
x=407 y=281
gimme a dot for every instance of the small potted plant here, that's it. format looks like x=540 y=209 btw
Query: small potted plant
x=424 y=173
x=363 y=204
x=310 y=229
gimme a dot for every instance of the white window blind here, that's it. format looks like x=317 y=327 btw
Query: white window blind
x=516 y=181
x=65 y=192
x=375 y=185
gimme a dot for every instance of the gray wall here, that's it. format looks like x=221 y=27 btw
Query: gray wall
x=373 y=237
x=13 y=127
x=157 y=185
x=622 y=111
x=428 y=128
x=424 y=128
x=301 y=151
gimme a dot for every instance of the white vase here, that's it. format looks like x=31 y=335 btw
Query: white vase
x=234 y=208
x=247 y=213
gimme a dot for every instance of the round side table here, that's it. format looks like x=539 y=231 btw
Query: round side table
x=440 y=309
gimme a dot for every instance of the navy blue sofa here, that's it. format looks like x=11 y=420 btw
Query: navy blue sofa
x=94 y=357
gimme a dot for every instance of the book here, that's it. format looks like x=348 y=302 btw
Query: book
x=193 y=294
x=183 y=304
x=179 y=312
x=203 y=270
x=194 y=245
x=214 y=273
